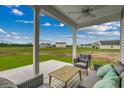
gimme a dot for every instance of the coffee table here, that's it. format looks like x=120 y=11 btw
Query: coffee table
x=65 y=74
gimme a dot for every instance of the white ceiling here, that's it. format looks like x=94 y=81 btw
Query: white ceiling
x=102 y=14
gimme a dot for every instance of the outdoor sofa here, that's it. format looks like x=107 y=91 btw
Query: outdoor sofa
x=92 y=78
x=35 y=82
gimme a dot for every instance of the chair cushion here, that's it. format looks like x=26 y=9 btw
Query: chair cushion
x=90 y=80
x=108 y=83
x=83 y=58
x=119 y=68
x=110 y=74
x=80 y=64
x=45 y=86
x=103 y=70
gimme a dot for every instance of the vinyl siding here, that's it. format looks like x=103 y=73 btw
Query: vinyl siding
x=122 y=38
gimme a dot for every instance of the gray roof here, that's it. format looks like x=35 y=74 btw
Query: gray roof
x=110 y=42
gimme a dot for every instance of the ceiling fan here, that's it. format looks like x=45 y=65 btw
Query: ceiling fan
x=86 y=12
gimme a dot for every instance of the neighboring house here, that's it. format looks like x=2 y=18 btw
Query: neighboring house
x=45 y=45
x=109 y=44
x=85 y=45
x=96 y=44
x=60 y=44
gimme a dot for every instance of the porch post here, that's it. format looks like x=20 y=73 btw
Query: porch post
x=36 y=11
x=74 y=45
x=122 y=37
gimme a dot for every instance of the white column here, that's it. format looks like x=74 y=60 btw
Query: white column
x=74 y=47
x=122 y=37
x=36 y=41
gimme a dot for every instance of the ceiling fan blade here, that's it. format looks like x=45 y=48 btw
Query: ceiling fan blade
x=78 y=12
x=90 y=14
x=80 y=17
x=86 y=14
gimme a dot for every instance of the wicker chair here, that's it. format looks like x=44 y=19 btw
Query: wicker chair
x=83 y=61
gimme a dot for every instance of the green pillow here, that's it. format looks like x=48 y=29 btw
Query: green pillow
x=108 y=83
x=110 y=74
x=103 y=70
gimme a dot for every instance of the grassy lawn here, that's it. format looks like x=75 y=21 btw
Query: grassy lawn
x=12 y=57
x=10 y=62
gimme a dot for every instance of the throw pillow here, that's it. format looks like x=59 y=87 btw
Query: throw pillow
x=108 y=83
x=103 y=70
x=110 y=74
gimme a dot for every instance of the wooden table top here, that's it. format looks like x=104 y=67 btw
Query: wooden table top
x=65 y=73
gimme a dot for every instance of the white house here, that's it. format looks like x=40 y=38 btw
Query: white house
x=60 y=44
x=109 y=44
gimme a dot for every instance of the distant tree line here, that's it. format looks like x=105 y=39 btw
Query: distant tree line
x=15 y=45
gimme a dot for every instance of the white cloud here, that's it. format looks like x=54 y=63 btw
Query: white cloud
x=107 y=29
x=42 y=14
x=114 y=23
x=78 y=36
x=24 y=21
x=60 y=25
x=16 y=38
x=11 y=6
x=98 y=28
x=2 y=31
x=103 y=27
x=8 y=35
x=17 y=12
x=13 y=33
x=13 y=37
x=47 y=24
x=115 y=33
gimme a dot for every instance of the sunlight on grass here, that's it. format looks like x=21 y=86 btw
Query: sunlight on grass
x=12 y=57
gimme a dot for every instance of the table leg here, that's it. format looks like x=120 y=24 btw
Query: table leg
x=80 y=75
x=50 y=80
x=65 y=84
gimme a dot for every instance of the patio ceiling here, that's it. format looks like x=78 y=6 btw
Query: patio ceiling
x=103 y=14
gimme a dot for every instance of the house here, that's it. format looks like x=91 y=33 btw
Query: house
x=85 y=45
x=60 y=44
x=45 y=45
x=108 y=44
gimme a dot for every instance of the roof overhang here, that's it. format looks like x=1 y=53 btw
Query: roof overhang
x=103 y=14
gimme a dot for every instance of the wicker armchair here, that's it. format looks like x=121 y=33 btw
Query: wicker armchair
x=83 y=61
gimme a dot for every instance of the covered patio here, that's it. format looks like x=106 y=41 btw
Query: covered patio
x=76 y=17
x=98 y=15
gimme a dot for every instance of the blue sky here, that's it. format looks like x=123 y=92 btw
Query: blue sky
x=16 y=26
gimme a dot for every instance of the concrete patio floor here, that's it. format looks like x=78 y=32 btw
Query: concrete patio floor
x=18 y=75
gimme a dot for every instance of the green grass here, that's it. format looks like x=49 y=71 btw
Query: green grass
x=12 y=57
x=10 y=62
